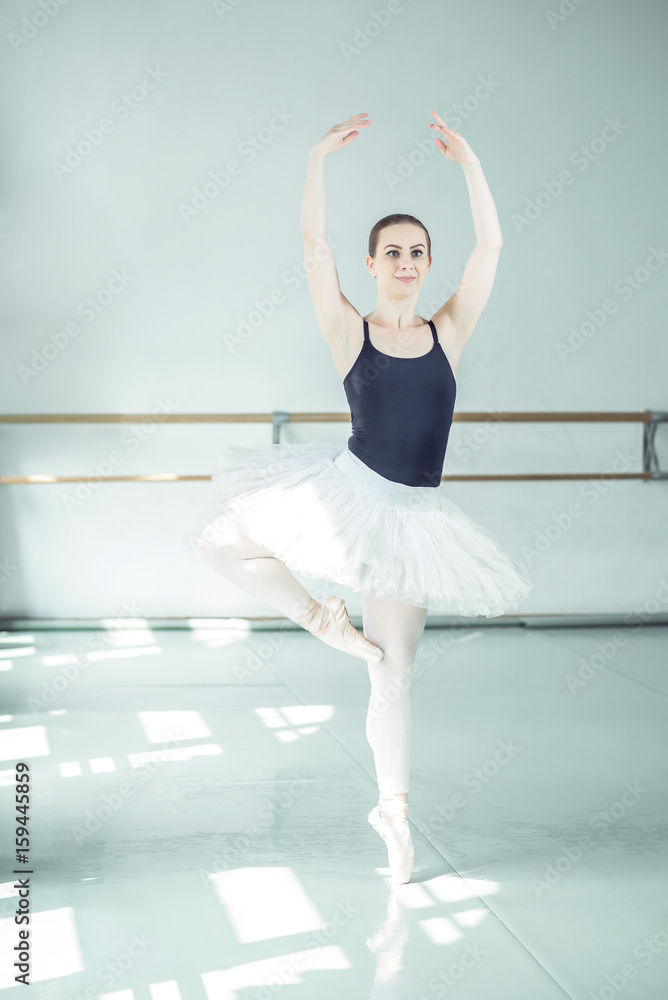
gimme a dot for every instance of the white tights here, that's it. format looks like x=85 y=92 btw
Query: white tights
x=397 y=628
x=393 y=625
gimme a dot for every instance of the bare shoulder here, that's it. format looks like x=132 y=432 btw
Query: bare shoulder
x=449 y=339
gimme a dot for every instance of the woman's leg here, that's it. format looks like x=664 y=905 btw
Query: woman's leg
x=228 y=549
x=255 y=569
x=397 y=628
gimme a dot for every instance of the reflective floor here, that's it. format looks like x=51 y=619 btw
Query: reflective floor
x=199 y=801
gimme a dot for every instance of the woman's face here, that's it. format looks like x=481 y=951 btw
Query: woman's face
x=401 y=253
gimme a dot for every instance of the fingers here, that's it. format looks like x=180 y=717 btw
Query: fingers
x=355 y=121
x=348 y=124
x=441 y=124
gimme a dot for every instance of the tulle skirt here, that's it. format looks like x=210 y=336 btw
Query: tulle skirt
x=328 y=516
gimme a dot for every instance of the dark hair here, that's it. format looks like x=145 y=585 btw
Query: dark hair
x=392 y=220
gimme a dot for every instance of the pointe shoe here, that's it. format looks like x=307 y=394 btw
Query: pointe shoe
x=396 y=833
x=329 y=621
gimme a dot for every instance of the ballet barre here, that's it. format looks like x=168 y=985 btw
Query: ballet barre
x=650 y=420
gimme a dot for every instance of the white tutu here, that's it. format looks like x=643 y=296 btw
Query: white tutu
x=327 y=515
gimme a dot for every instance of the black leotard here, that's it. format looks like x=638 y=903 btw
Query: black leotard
x=401 y=411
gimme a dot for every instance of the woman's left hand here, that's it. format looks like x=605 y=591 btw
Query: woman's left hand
x=455 y=147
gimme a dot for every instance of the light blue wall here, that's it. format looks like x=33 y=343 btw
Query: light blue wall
x=535 y=86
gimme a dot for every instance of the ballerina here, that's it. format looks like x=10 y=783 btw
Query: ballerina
x=374 y=516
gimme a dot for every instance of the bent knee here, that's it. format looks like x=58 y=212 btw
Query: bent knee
x=220 y=537
x=223 y=538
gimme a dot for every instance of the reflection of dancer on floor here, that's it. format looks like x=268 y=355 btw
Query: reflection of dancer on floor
x=399 y=259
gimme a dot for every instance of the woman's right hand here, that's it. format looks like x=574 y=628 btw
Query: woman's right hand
x=341 y=135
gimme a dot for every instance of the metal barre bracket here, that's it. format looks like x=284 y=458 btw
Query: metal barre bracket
x=650 y=459
x=278 y=418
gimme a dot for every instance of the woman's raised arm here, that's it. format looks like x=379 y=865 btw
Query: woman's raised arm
x=465 y=306
x=333 y=310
